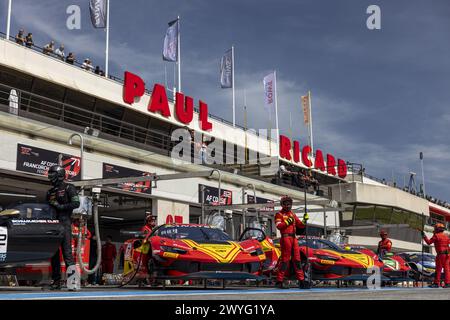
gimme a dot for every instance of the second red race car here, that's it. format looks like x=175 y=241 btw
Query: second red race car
x=394 y=266
x=329 y=262
x=191 y=251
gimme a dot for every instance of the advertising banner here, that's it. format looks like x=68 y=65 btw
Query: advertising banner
x=305 y=106
x=269 y=91
x=114 y=171
x=97 y=9
x=251 y=199
x=170 y=50
x=212 y=195
x=36 y=160
x=226 y=70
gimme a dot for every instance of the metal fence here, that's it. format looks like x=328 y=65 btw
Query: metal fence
x=33 y=106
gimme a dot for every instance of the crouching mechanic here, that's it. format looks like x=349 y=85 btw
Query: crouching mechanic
x=441 y=245
x=287 y=222
x=64 y=198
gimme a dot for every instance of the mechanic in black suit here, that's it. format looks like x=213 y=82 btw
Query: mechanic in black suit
x=64 y=198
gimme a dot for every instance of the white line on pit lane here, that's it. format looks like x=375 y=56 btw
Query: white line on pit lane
x=105 y=294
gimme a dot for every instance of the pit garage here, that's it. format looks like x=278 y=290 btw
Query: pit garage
x=118 y=209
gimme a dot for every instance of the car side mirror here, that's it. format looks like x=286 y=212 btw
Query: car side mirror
x=9 y=214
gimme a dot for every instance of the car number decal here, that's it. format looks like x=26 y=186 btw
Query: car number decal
x=3 y=243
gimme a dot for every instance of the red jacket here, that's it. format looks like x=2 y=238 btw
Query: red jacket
x=385 y=244
x=109 y=251
x=146 y=229
x=440 y=240
x=282 y=224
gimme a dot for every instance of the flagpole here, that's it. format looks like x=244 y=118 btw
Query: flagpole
x=310 y=123
x=232 y=84
x=107 y=40
x=179 y=56
x=423 y=176
x=245 y=121
x=8 y=23
x=290 y=126
x=276 y=113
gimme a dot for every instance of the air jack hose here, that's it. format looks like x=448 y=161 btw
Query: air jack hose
x=81 y=240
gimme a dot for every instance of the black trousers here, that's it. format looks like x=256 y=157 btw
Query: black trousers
x=66 y=247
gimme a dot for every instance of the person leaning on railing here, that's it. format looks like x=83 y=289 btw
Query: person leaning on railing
x=20 y=39
x=60 y=52
x=49 y=48
x=70 y=58
x=29 y=40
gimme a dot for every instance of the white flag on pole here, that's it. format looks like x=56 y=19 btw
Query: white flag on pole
x=269 y=91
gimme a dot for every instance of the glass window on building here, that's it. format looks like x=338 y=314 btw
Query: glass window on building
x=416 y=221
x=382 y=215
x=78 y=108
x=364 y=214
x=139 y=122
x=399 y=216
x=46 y=100
x=14 y=79
x=109 y=117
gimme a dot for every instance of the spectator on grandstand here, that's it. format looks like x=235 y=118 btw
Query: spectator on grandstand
x=60 y=52
x=20 y=39
x=87 y=65
x=99 y=71
x=49 y=48
x=29 y=40
x=70 y=58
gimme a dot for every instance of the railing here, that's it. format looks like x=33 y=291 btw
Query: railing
x=61 y=114
x=120 y=80
x=356 y=171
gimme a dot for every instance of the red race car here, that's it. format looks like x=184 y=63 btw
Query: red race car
x=395 y=268
x=191 y=251
x=330 y=262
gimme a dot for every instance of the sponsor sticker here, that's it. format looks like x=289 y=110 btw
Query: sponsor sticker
x=3 y=241
x=31 y=221
x=170 y=255
x=327 y=261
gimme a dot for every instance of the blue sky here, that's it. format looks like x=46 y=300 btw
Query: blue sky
x=379 y=97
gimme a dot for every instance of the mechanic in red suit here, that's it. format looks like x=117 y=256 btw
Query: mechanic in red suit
x=287 y=222
x=441 y=244
x=150 y=224
x=108 y=256
x=385 y=244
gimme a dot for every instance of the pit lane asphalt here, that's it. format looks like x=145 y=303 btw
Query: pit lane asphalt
x=237 y=293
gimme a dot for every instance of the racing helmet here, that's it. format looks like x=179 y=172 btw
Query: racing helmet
x=56 y=174
x=439 y=227
x=383 y=234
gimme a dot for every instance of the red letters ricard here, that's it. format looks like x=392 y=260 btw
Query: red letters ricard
x=305 y=155
x=134 y=87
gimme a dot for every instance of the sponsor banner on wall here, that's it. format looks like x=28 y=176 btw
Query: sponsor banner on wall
x=251 y=199
x=114 y=171
x=212 y=195
x=36 y=160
